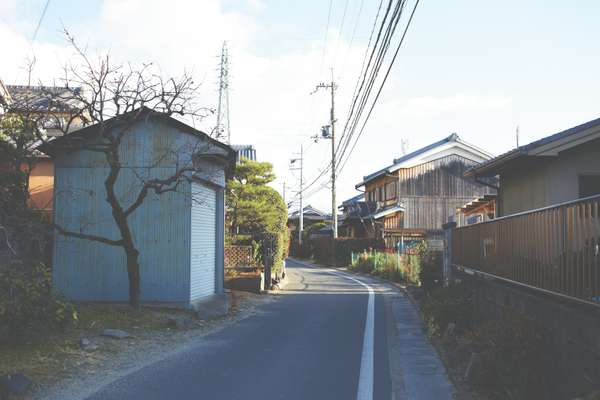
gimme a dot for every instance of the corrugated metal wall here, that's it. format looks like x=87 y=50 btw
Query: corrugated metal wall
x=85 y=270
x=203 y=241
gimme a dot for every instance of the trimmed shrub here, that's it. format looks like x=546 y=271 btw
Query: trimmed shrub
x=28 y=304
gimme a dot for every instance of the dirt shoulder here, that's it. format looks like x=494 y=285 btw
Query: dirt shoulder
x=62 y=368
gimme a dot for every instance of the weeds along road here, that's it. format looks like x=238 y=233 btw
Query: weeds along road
x=329 y=335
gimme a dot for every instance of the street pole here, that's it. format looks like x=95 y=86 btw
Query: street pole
x=334 y=234
x=284 y=192
x=301 y=203
x=333 y=202
x=292 y=161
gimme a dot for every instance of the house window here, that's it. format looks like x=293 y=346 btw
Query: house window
x=390 y=191
x=380 y=193
x=589 y=185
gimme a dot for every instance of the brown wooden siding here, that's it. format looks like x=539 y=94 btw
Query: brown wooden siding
x=395 y=221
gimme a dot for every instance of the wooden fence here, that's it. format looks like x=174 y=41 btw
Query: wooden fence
x=554 y=248
x=236 y=256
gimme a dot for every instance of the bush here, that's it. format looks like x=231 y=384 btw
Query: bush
x=448 y=304
x=388 y=266
x=344 y=248
x=431 y=275
x=28 y=304
x=511 y=355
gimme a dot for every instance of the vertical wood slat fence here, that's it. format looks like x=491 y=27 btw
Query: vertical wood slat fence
x=553 y=248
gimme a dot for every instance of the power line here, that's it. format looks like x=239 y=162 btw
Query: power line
x=383 y=83
x=362 y=2
x=327 y=167
x=367 y=76
x=37 y=28
x=341 y=31
x=364 y=95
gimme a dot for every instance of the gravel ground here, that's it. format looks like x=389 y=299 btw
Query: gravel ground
x=116 y=358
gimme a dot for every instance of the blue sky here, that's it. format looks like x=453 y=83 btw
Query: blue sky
x=478 y=68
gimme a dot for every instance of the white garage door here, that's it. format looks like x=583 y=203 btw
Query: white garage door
x=203 y=241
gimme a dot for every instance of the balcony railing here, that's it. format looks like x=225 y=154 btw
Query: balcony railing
x=553 y=248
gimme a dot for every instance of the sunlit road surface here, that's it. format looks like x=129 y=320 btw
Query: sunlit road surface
x=329 y=335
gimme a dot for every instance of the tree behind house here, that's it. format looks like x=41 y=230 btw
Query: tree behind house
x=254 y=208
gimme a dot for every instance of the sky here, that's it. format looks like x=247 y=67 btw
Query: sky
x=471 y=67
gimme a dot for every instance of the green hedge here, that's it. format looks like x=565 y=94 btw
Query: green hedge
x=28 y=305
x=344 y=247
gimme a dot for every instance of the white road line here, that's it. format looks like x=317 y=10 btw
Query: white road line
x=365 y=378
x=366 y=375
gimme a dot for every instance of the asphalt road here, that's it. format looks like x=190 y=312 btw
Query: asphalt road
x=316 y=341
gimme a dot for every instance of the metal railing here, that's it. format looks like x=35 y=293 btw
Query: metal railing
x=554 y=248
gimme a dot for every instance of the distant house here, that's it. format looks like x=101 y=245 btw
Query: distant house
x=179 y=234
x=244 y=150
x=419 y=191
x=310 y=216
x=556 y=169
x=357 y=217
x=54 y=103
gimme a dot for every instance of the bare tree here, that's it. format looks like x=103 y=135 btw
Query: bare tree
x=114 y=98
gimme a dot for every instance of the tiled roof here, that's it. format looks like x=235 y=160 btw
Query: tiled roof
x=415 y=154
x=41 y=98
x=492 y=164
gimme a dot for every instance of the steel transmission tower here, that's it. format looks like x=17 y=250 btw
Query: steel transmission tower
x=223 y=128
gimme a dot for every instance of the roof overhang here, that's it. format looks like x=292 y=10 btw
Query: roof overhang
x=550 y=146
x=388 y=211
x=450 y=145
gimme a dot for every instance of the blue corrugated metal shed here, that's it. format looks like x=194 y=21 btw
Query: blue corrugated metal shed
x=162 y=226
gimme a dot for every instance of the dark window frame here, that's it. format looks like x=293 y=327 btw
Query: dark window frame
x=591 y=188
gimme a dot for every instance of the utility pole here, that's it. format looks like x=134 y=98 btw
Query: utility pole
x=301 y=169
x=223 y=128
x=326 y=134
x=284 y=192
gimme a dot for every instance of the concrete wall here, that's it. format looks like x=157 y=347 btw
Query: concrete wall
x=543 y=181
x=571 y=332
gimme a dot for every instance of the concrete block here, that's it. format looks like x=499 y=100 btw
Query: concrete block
x=214 y=306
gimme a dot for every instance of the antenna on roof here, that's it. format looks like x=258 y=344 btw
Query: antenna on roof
x=517 y=135
x=404 y=146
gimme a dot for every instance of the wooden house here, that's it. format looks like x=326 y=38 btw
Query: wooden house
x=419 y=191
x=553 y=170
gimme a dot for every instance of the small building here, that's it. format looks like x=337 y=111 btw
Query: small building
x=310 y=216
x=179 y=234
x=553 y=170
x=357 y=218
x=244 y=150
x=419 y=191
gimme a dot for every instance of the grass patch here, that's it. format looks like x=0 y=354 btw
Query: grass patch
x=50 y=356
